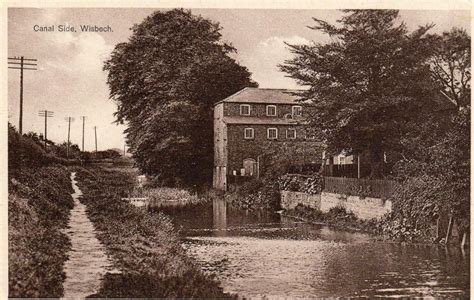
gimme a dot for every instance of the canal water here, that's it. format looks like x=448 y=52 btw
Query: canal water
x=267 y=255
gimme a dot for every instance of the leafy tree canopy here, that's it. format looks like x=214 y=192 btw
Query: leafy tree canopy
x=371 y=80
x=451 y=65
x=165 y=80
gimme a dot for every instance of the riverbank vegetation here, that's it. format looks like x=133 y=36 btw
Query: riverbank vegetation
x=336 y=217
x=386 y=228
x=143 y=246
x=264 y=193
x=39 y=201
x=254 y=195
x=165 y=196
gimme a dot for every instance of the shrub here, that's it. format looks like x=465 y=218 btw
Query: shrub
x=39 y=201
x=337 y=216
x=173 y=196
x=307 y=184
x=25 y=152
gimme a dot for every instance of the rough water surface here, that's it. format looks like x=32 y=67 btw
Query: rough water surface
x=87 y=262
x=271 y=256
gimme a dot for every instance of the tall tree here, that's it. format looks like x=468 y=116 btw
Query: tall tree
x=165 y=80
x=436 y=168
x=366 y=84
x=451 y=66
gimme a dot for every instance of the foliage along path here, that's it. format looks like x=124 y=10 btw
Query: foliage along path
x=87 y=261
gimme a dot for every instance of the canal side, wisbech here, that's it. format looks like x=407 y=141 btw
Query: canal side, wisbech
x=241 y=153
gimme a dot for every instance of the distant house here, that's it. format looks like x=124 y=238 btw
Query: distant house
x=253 y=120
x=344 y=159
x=342 y=165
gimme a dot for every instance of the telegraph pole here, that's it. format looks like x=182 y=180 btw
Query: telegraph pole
x=95 y=133
x=46 y=114
x=83 y=118
x=69 y=120
x=20 y=64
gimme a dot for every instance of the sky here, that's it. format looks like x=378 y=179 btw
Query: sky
x=70 y=80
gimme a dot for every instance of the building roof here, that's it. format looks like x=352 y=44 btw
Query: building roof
x=260 y=120
x=261 y=95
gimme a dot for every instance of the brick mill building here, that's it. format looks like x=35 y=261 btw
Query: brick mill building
x=254 y=120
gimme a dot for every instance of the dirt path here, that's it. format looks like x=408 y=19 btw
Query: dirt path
x=88 y=261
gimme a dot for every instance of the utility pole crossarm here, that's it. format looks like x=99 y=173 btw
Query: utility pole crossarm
x=22 y=58
x=24 y=64
x=46 y=114
x=20 y=68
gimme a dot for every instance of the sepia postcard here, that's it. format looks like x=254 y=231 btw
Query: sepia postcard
x=231 y=149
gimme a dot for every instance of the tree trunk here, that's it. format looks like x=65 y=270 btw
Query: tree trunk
x=331 y=165
x=438 y=228
x=465 y=238
x=450 y=228
x=376 y=160
x=323 y=165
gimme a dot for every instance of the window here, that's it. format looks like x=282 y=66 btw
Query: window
x=296 y=111
x=248 y=133
x=245 y=110
x=272 y=133
x=291 y=134
x=342 y=160
x=271 y=110
x=310 y=136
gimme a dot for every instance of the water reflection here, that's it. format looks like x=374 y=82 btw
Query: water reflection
x=219 y=213
x=263 y=254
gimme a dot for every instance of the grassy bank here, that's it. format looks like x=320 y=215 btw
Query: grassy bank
x=144 y=246
x=255 y=194
x=164 y=196
x=39 y=202
x=385 y=228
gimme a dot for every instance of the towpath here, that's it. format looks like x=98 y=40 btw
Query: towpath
x=87 y=262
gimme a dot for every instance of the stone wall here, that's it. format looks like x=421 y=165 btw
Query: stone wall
x=290 y=200
x=363 y=208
